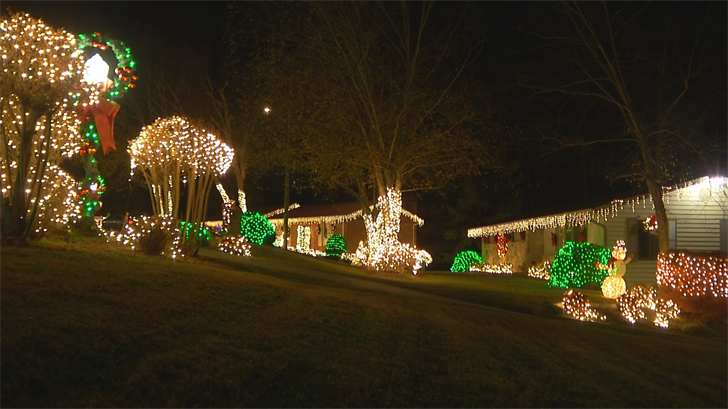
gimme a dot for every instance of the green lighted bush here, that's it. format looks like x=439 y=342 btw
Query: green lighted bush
x=256 y=228
x=575 y=265
x=335 y=246
x=464 y=260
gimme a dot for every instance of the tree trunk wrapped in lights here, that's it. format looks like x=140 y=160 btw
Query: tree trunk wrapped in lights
x=383 y=251
x=41 y=82
x=172 y=152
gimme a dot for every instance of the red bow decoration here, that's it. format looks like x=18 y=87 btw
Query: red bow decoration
x=104 y=114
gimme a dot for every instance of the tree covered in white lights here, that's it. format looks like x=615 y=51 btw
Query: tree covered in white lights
x=40 y=84
x=172 y=154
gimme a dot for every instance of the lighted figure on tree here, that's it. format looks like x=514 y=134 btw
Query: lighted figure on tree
x=97 y=126
x=614 y=285
x=575 y=265
x=41 y=84
x=383 y=251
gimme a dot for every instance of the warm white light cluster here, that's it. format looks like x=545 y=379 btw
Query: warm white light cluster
x=142 y=226
x=578 y=306
x=693 y=275
x=613 y=287
x=383 y=251
x=41 y=87
x=236 y=245
x=242 y=202
x=583 y=217
x=307 y=251
x=632 y=305
x=303 y=237
x=542 y=271
x=281 y=211
x=502 y=268
x=227 y=205
x=172 y=151
x=337 y=219
x=64 y=141
x=175 y=140
x=58 y=204
x=38 y=55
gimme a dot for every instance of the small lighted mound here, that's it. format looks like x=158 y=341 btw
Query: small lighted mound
x=236 y=245
x=576 y=304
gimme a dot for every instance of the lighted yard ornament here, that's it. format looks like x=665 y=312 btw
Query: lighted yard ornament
x=97 y=110
x=614 y=285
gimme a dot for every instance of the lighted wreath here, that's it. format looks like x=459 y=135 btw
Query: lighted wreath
x=650 y=223
x=125 y=65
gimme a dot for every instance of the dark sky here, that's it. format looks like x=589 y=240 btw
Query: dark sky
x=178 y=34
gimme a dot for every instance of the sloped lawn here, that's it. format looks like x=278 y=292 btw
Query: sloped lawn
x=90 y=324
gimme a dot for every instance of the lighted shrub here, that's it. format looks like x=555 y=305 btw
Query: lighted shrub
x=464 y=260
x=698 y=282
x=256 y=228
x=335 y=246
x=575 y=265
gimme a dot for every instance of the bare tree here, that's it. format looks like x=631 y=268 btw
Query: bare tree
x=658 y=68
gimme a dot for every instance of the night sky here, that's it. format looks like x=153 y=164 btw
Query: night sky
x=179 y=35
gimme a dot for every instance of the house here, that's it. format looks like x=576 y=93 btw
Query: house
x=311 y=226
x=697 y=213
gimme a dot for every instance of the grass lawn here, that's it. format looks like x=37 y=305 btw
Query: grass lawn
x=90 y=324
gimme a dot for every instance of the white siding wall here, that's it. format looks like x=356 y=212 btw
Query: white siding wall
x=697 y=211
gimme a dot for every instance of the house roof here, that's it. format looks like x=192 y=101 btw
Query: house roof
x=582 y=216
x=332 y=213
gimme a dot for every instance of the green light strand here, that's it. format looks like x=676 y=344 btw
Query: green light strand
x=464 y=260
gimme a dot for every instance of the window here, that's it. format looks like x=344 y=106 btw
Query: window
x=672 y=227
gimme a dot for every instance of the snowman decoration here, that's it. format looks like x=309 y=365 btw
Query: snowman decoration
x=614 y=285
